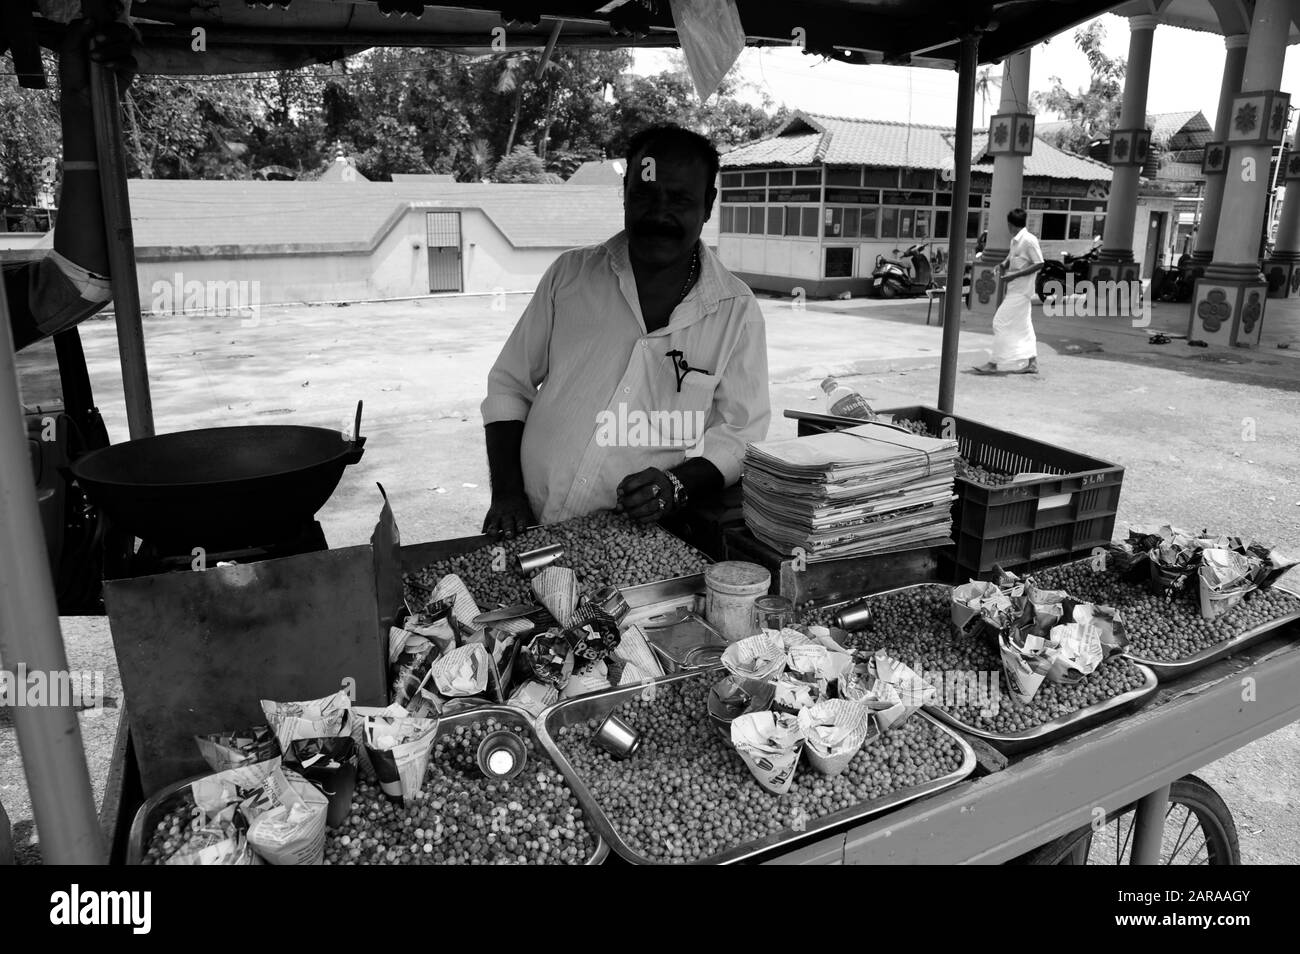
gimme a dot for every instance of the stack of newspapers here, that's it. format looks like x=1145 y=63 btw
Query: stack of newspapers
x=862 y=490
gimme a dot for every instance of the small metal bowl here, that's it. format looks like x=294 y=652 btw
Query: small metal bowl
x=617 y=737
x=733 y=696
x=853 y=617
x=502 y=755
x=531 y=561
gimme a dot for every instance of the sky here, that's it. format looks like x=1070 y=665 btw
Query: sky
x=929 y=96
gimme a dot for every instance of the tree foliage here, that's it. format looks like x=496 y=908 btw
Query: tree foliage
x=1091 y=112
x=392 y=110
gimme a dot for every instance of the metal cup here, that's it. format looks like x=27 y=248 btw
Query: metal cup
x=617 y=737
x=502 y=755
x=530 y=561
x=853 y=617
x=612 y=602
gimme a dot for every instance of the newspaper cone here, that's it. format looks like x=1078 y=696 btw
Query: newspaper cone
x=359 y=715
x=792 y=696
x=834 y=731
x=557 y=588
x=755 y=657
x=461 y=672
x=292 y=833
x=968 y=602
x=770 y=745
x=1021 y=670
x=399 y=749
x=314 y=719
x=1223 y=579
x=635 y=650
x=1077 y=652
x=451 y=589
x=248 y=755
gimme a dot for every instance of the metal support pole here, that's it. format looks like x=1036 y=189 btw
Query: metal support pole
x=961 y=151
x=1149 y=827
x=121 y=250
x=49 y=736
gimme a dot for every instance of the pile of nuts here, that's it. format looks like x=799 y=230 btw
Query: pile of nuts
x=687 y=796
x=914 y=625
x=173 y=831
x=1166 y=630
x=965 y=468
x=602 y=548
x=460 y=817
x=463 y=818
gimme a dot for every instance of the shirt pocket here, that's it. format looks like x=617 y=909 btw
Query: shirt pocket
x=692 y=408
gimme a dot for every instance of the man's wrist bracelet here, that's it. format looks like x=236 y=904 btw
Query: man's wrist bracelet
x=679 y=489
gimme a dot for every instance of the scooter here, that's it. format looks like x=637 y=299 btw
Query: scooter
x=1054 y=271
x=894 y=278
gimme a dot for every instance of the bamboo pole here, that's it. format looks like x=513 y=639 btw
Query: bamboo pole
x=961 y=151
x=49 y=736
x=121 y=250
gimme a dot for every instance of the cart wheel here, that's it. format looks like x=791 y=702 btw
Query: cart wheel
x=1198 y=831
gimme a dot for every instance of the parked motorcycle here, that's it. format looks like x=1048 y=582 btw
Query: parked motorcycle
x=1054 y=271
x=895 y=278
x=1175 y=284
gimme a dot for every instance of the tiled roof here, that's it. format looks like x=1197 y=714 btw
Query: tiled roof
x=809 y=138
x=1164 y=126
x=345 y=171
x=601 y=172
x=263 y=217
x=423 y=177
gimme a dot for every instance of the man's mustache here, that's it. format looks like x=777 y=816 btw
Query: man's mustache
x=656 y=229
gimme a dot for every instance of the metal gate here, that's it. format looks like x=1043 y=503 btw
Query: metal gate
x=444 y=251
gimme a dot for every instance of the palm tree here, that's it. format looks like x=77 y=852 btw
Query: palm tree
x=984 y=84
x=517 y=69
x=480 y=159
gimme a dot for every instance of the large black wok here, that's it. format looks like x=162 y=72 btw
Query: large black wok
x=218 y=487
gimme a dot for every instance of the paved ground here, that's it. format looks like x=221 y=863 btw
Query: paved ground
x=1208 y=438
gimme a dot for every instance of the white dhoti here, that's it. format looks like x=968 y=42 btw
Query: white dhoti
x=1013 y=328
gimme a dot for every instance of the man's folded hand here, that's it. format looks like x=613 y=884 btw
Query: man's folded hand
x=646 y=496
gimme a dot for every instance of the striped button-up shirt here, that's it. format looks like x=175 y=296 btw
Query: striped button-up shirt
x=599 y=395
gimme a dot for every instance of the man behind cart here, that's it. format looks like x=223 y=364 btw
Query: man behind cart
x=637 y=375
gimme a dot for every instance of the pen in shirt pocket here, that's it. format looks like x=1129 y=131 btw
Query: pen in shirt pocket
x=682 y=367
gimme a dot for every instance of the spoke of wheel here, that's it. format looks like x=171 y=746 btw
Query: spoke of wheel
x=1179 y=841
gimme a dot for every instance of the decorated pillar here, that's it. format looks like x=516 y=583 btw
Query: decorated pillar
x=1011 y=139
x=1216 y=153
x=1129 y=145
x=1228 y=302
x=1282 y=268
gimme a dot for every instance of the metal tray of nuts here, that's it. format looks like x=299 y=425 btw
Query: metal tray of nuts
x=1053 y=730
x=1013 y=743
x=152 y=810
x=1173 y=669
x=600 y=704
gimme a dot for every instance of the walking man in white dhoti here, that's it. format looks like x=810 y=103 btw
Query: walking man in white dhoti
x=1015 y=349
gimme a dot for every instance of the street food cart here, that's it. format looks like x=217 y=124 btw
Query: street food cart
x=992 y=803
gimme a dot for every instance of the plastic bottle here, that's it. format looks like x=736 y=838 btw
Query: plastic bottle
x=844 y=402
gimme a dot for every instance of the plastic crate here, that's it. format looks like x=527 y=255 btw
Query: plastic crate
x=1035 y=522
